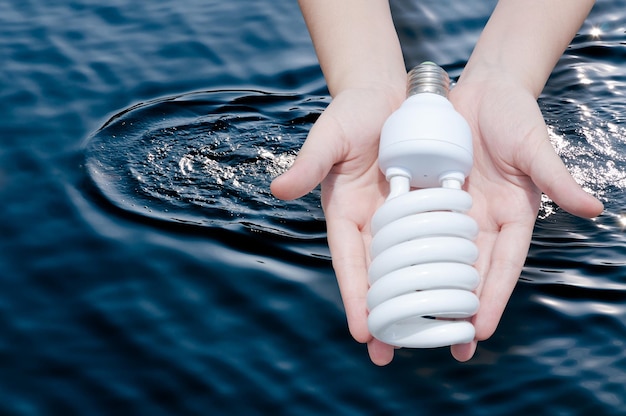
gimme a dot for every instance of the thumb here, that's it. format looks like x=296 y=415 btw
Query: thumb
x=315 y=159
x=551 y=176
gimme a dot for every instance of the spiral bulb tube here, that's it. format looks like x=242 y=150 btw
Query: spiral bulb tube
x=421 y=274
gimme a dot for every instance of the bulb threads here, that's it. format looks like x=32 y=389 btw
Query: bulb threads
x=428 y=77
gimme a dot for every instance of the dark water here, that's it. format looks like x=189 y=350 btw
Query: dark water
x=146 y=269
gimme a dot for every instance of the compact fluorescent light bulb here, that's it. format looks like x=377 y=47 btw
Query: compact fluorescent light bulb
x=422 y=251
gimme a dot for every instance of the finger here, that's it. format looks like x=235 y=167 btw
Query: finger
x=485 y=242
x=507 y=260
x=350 y=263
x=349 y=254
x=316 y=158
x=380 y=353
x=552 y=177
x=463 y=352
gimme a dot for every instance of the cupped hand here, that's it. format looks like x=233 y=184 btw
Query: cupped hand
x=341 y=152
x=514 y=162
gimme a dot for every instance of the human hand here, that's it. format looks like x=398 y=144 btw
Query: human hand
x=513 y=163
x=341 y=152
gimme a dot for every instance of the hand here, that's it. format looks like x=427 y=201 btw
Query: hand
x=341 y=152
x=513 y=163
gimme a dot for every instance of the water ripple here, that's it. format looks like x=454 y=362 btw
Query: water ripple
x=207 y=159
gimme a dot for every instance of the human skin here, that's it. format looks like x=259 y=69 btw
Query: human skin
x=497 y=93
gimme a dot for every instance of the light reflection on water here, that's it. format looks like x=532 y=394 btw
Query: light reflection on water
x=585 y=112
x=575 y=268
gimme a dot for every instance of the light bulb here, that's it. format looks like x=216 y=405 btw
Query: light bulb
x=421 y=274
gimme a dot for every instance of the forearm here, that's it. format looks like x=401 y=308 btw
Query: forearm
x=525 y=39
x=356 y=43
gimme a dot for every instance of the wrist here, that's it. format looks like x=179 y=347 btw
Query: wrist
x=356 y=44
x=487 y=72
x=525 y=39
x=393 y=87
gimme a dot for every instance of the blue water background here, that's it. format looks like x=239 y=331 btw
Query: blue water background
x=107 y=311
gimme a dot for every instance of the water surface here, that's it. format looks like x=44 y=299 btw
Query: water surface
x=146 y=269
